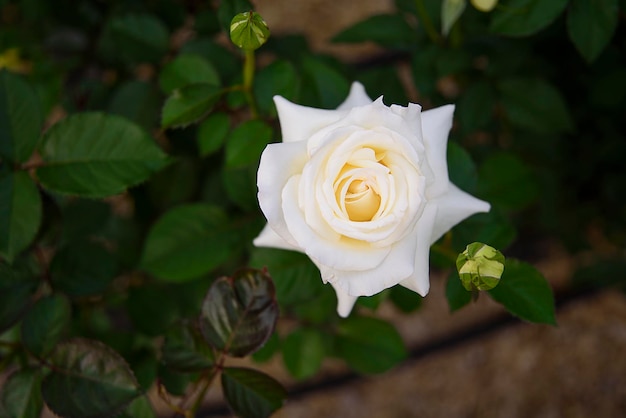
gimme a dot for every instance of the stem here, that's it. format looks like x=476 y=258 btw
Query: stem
x=425 y=20
x=248 y=79
x=208 y=380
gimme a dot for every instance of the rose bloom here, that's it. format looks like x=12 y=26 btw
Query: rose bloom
x=363 y=190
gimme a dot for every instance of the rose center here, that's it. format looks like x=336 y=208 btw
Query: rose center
x=361 y=200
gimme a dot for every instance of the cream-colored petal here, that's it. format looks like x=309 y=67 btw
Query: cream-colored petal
x=436 y=124
x=279 y=162
x=419 y=281
x=269 y=238
x=453 y=207
x=298 y=123
x=357 y=97
x=345 y=302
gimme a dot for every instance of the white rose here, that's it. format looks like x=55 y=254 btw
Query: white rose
x=362 y=190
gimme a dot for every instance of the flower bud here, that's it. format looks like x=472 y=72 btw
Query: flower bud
x=249 y=31
x=480 y=267
x=484 y=5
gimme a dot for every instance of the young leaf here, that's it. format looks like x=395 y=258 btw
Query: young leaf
x=43 y=325
x=212 y=133
x=97 y=155
x=369 y=345
x=250 y=393
x=21 y=118
x=303 y=352
x=525 y=293
x=591 y=24
x=187 y=69
x=246 y=143
x=525 y=17
x=17 y=284
x=20 y=212
x=184 y=349
x=187 y=242
x=385 y=30
x=189 y=104
x=21 y=394
x=99 y=380
x=239 y=313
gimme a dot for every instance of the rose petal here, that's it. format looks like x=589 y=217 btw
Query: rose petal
x=345 y=302
x=436 y=124
x=453 y=207
x=269 y=238
x=357 y=97
x=419 y=281
x=298 y=123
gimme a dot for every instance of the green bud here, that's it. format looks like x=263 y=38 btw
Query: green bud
x=249 y=31
x=480 y=267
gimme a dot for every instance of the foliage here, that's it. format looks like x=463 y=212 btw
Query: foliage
x=128 y=156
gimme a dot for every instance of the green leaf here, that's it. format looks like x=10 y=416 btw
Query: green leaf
x=187 y=69
x=385 y=30
x=20 y=213
x=189 y=104
x=369 y=345
x=303 y=352
x=134 y=38
x=525 y=17
x=404 y=299
x=139 y=408
x=383 y=81
x=239 y=313
x=505 y=180
x=250 y=393
x=152 y=308
x=525 y=293
x=322 y=85
x=476 y=106
x=83 y=268
x=99 y=380
x=295 y=276
x=21 y=395
x=44 y=324
x=97 y=155
x=462 y=170
x=212 y=133
x=187 y=242
x=17 y=284
x=137 y=101
x=536 y=105
x=21 y=118
x=491 y=228
x=280 y=78
x=240 y=186
x=184 y=349
x=451 y=11
x=455 y=292
x=591 y=25
x=271 y=347
x=246 y=143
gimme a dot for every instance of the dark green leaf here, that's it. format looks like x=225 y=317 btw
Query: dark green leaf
x=139 y=408
x=404 y=299
x=525 y=17
x=591 y=24
x=505 y=180
x=525 y=293
x=21 y=118
x=271 y=347
x=225 y=62
x=246 y=143
x=137 y=101
x=369 y=345
x=99 y=380
x=322 y=85
x=385 y=30
x=184 y=349
x=152 y=308
x=476 y=107
x=175 y=184
x=97 y=155
x=279 y=78
x=461 y=167
x=240 y=186
x=17 y=284
x=83 y=218
x=455 y=292
x=189 y=104
x=174 y=382
x=44 y=324
x=20 y=213
x=384 y=81
x=21 y=395
x=239 y=313
x=303 y=352
x=187 y=69
x=296 y=278
x=374 y=301
x=228 y=9
x=535 y=105
x=83 y=268
x=212 y=133
x=491 y=228
x=134 y=38
x=187 y=242
x=250 y=393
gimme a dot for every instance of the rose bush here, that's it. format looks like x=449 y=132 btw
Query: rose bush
x=363 y=190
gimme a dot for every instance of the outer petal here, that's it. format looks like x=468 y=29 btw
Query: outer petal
x=345 y=302
x=419 y=281
x=298 y=122
x=436 y=124
x=269 y=238
x=278 y=163
x=357 y=97
x=453 y=207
